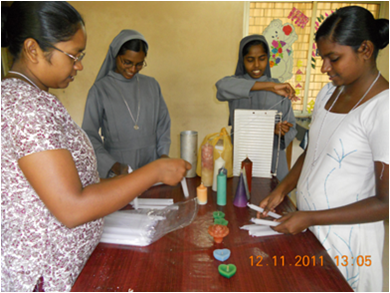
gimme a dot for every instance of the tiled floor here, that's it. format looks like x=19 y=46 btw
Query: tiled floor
x=385 y=261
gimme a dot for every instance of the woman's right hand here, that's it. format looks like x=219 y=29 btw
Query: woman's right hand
x=270 y=203
x=285 y=90
x=120 y=169
x=172 y=171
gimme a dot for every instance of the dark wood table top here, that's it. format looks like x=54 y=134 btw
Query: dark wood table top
x=183 y=260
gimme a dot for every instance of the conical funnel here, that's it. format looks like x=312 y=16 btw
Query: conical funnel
x=240 y=199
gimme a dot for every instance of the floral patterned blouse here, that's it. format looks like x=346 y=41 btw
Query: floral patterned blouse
x=34 y=243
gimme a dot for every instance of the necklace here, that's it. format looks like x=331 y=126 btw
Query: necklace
x=315 y=159
x=136 y=127
x=25 y=77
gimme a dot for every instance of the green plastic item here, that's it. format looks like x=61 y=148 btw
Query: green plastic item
x=227 y=271
x=220 y=221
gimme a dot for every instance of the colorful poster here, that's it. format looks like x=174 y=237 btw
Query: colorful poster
x=280 y=38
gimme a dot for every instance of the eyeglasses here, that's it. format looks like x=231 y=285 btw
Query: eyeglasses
x=75 y=59
x=129 y=64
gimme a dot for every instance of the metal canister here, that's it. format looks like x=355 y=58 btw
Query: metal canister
x=188 y=150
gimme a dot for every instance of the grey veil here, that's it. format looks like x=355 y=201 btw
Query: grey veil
x=116 y=44
x=240 y=69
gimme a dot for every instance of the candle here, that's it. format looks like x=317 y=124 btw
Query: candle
x=221 y=188
x=240 y=200
x=207 y=164
x=247 y=164
x=201 y=193
x=221 y=221
x=227 y=271
x=218 y=164
x=221 y=254
x=218 y=232
x=218 y=215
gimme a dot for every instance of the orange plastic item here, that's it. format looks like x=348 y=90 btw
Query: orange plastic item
x=218 y=232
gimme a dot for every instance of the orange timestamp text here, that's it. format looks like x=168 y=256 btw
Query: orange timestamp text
x=300 y=261
x=360 y=260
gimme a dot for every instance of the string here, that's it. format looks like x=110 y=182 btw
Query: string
x=22 y=75
x=136 y=127
x=338 y=125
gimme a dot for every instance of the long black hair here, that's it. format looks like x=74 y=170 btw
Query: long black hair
x=352 y=25
x=47 y=22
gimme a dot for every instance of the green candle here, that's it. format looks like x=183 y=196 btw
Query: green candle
x=221 y=221
x=227 y=271
x=221 y=189
x=218 y=215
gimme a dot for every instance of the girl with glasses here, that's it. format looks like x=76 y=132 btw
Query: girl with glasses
x=52 y=200
x=127 y=109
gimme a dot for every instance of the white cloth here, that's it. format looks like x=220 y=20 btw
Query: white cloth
x=347 y=146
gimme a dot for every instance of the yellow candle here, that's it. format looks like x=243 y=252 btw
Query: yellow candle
x=201 y=193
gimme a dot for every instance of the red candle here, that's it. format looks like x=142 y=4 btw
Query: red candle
x=248 y=171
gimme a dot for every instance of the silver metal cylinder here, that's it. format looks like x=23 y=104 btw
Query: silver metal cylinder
x=189 y=150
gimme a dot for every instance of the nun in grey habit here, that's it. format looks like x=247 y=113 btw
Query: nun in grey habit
x=236 y=90
x=130 y=114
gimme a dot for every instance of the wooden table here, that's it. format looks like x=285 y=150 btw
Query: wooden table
x=183 y=260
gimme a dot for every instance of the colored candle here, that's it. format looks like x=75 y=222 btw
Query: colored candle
x=221 y=254
x=218 y=232
x=221 y=189
x=227 y=271
x=207 y=164
x=201 y=194
x=218 y=215
x=240 y=200
x=247 y=164
x=218 y=164
x=220 y=221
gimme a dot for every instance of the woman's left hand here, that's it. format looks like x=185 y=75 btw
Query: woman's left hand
x=282 y=127
x=293 y=223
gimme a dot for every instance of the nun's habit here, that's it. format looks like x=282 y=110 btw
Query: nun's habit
x=237 y=91
x=106 y=111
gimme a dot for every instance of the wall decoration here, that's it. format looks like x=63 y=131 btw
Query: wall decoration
x=300 y=18
x=280 y=38
x=298 y=78
x=314 y=53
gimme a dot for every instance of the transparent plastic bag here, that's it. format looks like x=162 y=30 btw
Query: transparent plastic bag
x=143 y=227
